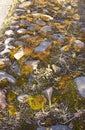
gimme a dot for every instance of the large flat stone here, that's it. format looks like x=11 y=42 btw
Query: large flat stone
x=42 y=47
x=80 y=84
x=56 y=127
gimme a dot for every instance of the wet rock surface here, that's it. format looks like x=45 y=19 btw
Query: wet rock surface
x=42 y=67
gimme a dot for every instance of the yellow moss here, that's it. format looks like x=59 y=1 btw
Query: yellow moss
x=36 y=102
x=3 y=83
x=25 y=70
x=12 y=109
x=2 y=67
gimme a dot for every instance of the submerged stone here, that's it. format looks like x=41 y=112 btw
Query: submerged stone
x=56 y=127
x=42 y=47
x=80 y=84
x=5 y=75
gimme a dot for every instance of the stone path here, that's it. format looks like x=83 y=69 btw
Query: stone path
x=42 y=61
x=4 y=9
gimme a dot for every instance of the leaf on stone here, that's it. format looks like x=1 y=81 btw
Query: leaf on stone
x=48 y=93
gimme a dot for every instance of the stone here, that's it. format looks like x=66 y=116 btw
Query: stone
x=21 y=30
x=22 y=97
x=13 y=27
x=19 y=54
x=5 y=51
x=42 y=46
x=25 y=4
x=78 y=43
x=31 y=28
x=56 y=127
x=40 y=22
x=3 y=102
x=46 y=28
x=80 y=84
x=33 y=63
x=48 y=93
x=56 y=68
x=42 y=15
x=25 y=36
x=9 y=40
x=9 y=32
x=25 y=22
x=59 y=37
x=15 y=68
x=5 y=75
x=19 y=10
x=20 y=43
x=5 y=61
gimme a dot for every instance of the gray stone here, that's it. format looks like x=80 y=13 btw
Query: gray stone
x=25 y=22
x=21 y=30
x=25 y=4
x=22 y=97
x=31 y=28
x=9 y=40
x=25 y=36
x=20 y=43
x=15 y=68
x=56 y=127
x=78 y=43
x=46 y=28
x=19 y=54
x=13 y=27
x=40 y=22
x=33 y=63
x=42 y=47
x=9 y=32
x=5 y=75
x=59 y=37
x=80 y=84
